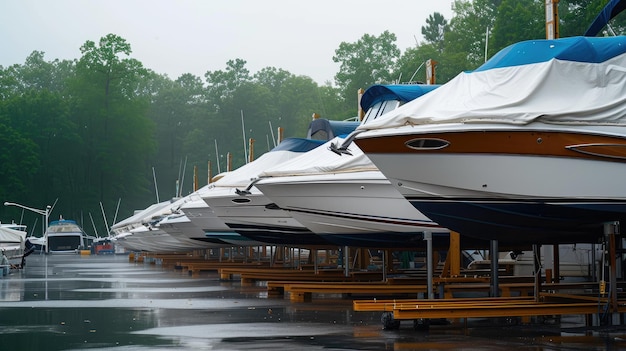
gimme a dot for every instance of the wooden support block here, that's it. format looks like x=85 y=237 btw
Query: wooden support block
x=300 y=296
x=454 y=254
x=275 y=289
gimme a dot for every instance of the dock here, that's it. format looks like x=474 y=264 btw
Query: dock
x=548 y=304
x=425 y=294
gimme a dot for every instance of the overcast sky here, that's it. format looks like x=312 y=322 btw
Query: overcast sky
x=194 y=36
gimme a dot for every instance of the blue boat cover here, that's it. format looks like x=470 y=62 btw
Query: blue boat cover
x=577 y=81
x=577 y=49
x=401 y=92
x=62 y=221
x=324 y=129
x=341 y=128
x=298 y=145
x=612 y=9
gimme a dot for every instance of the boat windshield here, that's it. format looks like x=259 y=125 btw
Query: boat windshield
x=379 y=109
x=64 y=243
x=64 y=228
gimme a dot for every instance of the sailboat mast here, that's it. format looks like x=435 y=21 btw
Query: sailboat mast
x=243 y=129
x=217 y=158
x=156 y=189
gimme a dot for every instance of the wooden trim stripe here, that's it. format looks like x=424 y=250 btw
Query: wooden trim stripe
x=529 y=143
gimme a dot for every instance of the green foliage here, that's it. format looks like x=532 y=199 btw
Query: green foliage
x=412 y=63
x=529 y=23
x=371 y=60
x=434 y=30
x=577 y=15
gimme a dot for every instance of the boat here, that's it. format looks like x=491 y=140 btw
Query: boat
x=180 y=227
x=344 y=198
x=528 y=148
x=576 y=261
x=64 y=236
x=153 y=229
x=121 y=232
x=246 y=210
x=249 y=212
x=12 y=248
x=205 y=226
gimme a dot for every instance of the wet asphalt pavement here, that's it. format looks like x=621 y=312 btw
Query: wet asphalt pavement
x=106 y=302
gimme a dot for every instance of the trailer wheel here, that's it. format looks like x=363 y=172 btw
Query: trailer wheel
x=389 y=323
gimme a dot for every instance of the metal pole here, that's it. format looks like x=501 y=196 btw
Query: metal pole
x=610 y=230
x=537 y=270
x=428 y=236
x=384 y=258
x=495 y=288
x=346 y=261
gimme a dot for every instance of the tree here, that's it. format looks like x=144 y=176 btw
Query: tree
x=110 y=109
x=371 y=60
x=178 y=108
x=577 y=15
x=434 y=30
x=222 y=84
x=465 y=38
x=518 y=20
x=296 y=99
x=412 y=63
x=20 y=161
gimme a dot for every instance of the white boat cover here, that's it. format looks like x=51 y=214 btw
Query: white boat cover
x=323 y=161
x=287 y=150
x=578 y=80
x=145 y=214
x=12 y=236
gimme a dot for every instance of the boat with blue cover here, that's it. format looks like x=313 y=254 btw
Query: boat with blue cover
x=528 y=148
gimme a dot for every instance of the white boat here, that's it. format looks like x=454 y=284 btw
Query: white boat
x=120 y=232
x=353 y=205
x=249 y=212
x=180 y=227
x=12 y=248
x=344 y=197
x=215 y=232
x=529 y=148
x=576 y=261
x=161 y=227
x=64 y=236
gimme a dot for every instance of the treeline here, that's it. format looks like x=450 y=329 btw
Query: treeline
x=87 y=134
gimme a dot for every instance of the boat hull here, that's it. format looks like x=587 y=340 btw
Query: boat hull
x=182 y=229
x=355 y=209
x=538 y=184
x=215 y=230
x=256 y=217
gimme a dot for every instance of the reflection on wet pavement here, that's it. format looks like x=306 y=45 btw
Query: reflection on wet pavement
x=105 y=302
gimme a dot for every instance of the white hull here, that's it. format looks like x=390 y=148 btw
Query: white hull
x=254 y=215
x=216 y=231
x=347 y=203
x=182 y=229
x=156 y=240
x=549 y=195
x=473 y=175
x=252 y=212
x=575 y=261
